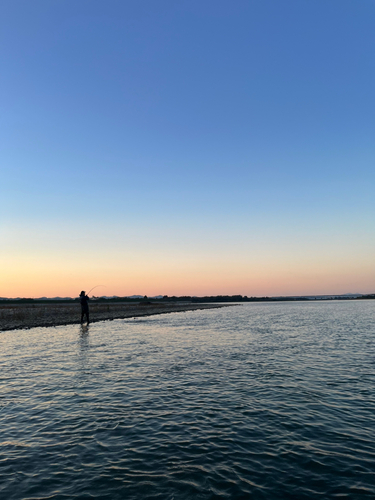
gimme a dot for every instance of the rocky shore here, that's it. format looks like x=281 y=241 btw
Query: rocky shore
x=18 y=316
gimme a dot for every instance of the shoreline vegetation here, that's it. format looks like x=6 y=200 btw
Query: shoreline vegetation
x=187 y=299
x=18 y=315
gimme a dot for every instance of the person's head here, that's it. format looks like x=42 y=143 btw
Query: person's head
x=82 y=293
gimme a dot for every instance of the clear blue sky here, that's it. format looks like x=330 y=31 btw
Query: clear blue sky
x=187 y=146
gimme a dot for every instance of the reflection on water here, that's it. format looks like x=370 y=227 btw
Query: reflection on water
x=84 y=340
x=266 y=401
x=84 y=330
x=82 y=355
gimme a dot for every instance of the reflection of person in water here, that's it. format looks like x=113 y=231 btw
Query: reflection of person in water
x=84 y=300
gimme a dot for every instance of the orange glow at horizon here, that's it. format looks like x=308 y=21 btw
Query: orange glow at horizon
x=39 y=261
x=34 y=278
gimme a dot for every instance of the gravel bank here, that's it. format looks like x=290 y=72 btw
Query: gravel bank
x=17 y=316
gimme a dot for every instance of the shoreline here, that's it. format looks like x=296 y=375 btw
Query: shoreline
x=26 y=316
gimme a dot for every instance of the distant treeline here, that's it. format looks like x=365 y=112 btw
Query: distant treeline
x=187 y=298
x=224 y=298
x=370 y=296
x=245 y=298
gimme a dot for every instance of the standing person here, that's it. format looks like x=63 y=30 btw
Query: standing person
x=84 y=300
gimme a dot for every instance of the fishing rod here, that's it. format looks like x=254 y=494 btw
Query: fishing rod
x=93 y=288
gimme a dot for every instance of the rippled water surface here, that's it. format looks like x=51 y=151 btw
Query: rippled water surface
x=261 y=401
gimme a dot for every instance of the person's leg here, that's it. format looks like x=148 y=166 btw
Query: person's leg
x=87 y=316
x=82 y=314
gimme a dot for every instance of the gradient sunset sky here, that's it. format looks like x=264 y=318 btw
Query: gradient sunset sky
x=187 y=147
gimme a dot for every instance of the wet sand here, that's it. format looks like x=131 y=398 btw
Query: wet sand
x=18 y=316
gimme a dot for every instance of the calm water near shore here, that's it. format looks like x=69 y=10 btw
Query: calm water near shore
x=261 y=401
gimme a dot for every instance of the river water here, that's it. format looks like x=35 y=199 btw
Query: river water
x=261 y=401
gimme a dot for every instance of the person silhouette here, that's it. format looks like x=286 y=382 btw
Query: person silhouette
x=84 y=300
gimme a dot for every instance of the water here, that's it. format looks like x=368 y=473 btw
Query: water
x=260 y=401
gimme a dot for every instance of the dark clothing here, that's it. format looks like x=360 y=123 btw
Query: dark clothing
x=84 y=300
x=84 y=307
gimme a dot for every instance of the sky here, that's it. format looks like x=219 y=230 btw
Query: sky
x=187 y=148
